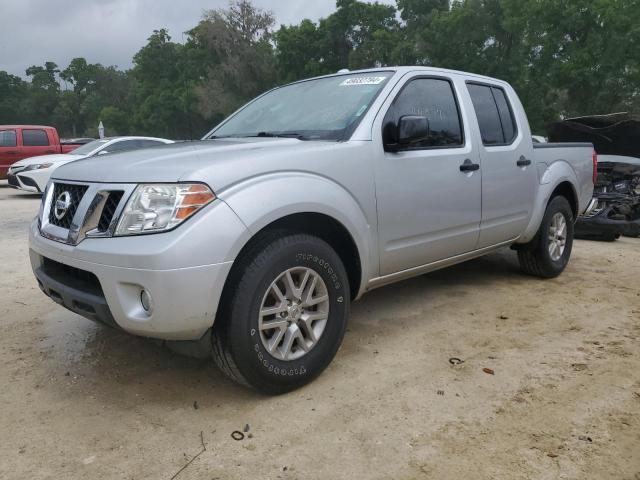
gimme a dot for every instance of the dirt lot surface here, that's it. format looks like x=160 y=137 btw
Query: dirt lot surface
x=79 y=400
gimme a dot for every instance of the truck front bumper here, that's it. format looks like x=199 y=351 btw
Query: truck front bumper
x=104 y=280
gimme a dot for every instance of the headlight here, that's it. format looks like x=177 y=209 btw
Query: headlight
x=37 y=166
x=160 y=207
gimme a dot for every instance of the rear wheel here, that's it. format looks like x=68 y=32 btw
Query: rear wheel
x=284 y=313
x=548 y=253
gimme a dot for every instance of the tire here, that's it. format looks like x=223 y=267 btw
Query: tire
x=240 y=346
x=535 y=257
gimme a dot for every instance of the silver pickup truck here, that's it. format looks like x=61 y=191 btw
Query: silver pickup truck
x=255 y=240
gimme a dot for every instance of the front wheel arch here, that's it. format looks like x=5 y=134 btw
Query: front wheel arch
x=319 y=225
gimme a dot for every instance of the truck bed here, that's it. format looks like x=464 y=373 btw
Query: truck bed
x=577 y=155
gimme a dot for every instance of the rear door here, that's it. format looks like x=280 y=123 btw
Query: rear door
x=509 y=176
x=428 y=208
x=9 y=151
x=38 y=141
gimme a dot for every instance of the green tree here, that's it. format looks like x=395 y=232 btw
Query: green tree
x=565 y=58
x=115 y=121
x=589 y=51
x=13 y=97
x=44 y=92
x=111 y=88
x=162 y=101
x=357 y=35
x=238 y=55
x=298 y=53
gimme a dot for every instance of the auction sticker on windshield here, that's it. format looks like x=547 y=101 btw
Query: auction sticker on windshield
x=363 y=81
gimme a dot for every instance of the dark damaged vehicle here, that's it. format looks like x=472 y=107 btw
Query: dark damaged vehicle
x=615 y=208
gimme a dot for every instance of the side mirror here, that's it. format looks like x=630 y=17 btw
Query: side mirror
x=412 y=128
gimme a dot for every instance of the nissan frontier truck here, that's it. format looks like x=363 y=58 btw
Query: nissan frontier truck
x=254 y=241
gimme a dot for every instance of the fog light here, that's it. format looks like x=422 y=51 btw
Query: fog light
x=145 y=300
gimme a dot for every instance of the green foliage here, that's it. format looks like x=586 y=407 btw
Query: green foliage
x=238 y=58
x=13 y=97
x=161 y=81
x=564 y=57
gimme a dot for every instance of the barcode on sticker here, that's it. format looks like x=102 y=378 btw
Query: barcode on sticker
x=363 y=81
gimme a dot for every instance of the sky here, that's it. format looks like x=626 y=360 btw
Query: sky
x=110 y=32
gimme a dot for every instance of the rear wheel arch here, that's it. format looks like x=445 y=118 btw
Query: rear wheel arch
x=565 y=189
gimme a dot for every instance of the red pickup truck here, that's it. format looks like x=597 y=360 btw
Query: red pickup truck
x=24 y=141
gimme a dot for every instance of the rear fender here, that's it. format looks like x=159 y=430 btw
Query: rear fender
x=550 y=176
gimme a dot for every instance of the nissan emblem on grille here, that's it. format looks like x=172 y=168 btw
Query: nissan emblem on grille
x=63 y=202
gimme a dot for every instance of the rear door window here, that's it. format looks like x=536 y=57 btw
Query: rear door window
x=506 y=114
x=432 y=98
x=35 y=138
x=487 y=114
x=8 y=138
x=494 y=114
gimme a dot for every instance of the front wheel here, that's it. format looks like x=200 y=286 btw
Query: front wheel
x=548 y=253
x=284 y=313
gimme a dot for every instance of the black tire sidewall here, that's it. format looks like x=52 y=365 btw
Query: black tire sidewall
x=556 y=205
x=260 y=369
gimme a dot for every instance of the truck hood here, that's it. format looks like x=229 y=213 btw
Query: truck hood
x=55 y=158
x=218 y=162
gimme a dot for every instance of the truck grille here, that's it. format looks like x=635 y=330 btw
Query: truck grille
x=76 y=192
x=91 y=210
x=109 y=210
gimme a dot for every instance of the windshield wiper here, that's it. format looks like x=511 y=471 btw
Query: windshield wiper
x=298 y=135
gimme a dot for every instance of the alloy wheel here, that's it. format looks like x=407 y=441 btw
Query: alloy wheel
x=293 y=313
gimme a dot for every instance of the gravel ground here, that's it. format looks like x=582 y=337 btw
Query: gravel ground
x=79 y=400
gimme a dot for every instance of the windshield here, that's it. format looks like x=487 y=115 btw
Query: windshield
x=322 y=109
x=87 y=148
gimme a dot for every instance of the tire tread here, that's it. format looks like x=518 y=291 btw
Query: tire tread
x=252 y=260
x=533 y=256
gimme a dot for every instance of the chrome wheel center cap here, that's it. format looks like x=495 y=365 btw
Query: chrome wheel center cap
x=294 y=312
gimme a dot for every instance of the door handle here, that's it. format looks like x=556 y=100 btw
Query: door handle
x=469 y=166
x=523 y=162
x=13 y=152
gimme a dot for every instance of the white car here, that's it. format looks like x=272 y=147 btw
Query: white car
x=32 y=174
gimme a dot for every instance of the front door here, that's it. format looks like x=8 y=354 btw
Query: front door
x=428 y=207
